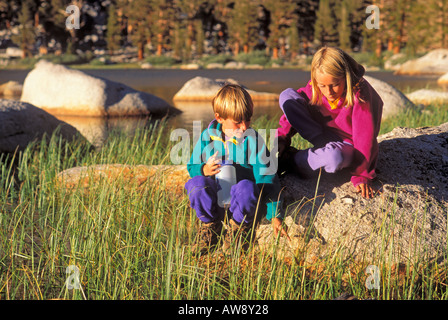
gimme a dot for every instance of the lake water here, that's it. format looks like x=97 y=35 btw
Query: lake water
x=166 y=82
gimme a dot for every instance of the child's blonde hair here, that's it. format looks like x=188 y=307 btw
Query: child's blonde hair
x=338 y=64
x=233 y=102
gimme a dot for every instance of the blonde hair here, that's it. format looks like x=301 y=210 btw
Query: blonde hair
x=234 y=102
x=340 y=65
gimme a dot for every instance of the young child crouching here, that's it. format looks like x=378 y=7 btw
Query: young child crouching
x=229 y=138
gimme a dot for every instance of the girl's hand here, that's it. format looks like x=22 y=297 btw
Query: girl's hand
x=212 y=166
x=366 y=190
x=279 y=227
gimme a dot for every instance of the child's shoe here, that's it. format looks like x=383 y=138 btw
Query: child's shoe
x=237 y=236
x=207 y=237
x=286 y=161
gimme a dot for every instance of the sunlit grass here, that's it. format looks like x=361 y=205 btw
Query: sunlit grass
x=133 y=242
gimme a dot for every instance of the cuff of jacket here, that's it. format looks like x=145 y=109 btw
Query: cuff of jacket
x=195 y=170
x=356 y=180
x=275 y=210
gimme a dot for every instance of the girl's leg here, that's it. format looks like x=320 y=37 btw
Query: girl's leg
x=202 y=192
x=305 y=119
x=333 y=157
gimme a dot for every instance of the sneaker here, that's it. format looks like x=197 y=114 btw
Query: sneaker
x=207 y=237
x=295 y=161
x=237 y=235
x=286 y=161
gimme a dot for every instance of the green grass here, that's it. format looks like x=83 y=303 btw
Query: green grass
x=133 y=242
x=430 y=115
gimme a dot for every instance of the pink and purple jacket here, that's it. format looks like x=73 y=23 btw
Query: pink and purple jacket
x=358 y=125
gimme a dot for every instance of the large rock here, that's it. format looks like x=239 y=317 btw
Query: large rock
x=394 y=101
x=204 y=89
x=22 y=123
x=406 y=223
x=434 y=62
x=64 y=91
x=428 y=96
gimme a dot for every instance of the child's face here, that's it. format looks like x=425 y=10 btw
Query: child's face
x=332 y=88
x=233 y=128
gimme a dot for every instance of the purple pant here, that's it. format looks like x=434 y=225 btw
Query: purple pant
x=329 y=152
x=333 y=157
x=203 y=194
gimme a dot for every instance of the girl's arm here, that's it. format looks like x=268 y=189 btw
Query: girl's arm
x=366 y=120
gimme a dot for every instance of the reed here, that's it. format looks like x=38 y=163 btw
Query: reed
x=120 y=241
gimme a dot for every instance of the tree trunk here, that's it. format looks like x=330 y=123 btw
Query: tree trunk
x=236 y=50
x=275 y=53
x=141 y=46
x=378 y=49
x=159 y=44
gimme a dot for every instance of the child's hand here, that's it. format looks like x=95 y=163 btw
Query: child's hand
x=279 y=227
x=212 y=166
x=366 y=190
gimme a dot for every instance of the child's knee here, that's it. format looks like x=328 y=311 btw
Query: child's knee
x=200 y=184
x=245 y=187
x=338 y=156
x=244 y=201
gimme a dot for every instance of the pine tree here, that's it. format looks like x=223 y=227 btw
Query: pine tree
x=26 y=37
x=325 y=29
x=416 y=28
x=244 y=27
x=395 y=14
x=163 y=17
x=344 y=25
x=439 y=22
x=200 y=37
x=281 y=12
x=294 y=42
x=186 y=29
x=357 y=18
x=306 y=12
x=140 y=19
x=113 y=30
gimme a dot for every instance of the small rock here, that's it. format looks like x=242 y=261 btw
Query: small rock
x=426 y=96
x=348 y=200
x=434 y=62
x=11 y=89
x=190 y=66
x=443 y=80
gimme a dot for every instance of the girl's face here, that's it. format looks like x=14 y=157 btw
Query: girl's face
x=332 y=88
